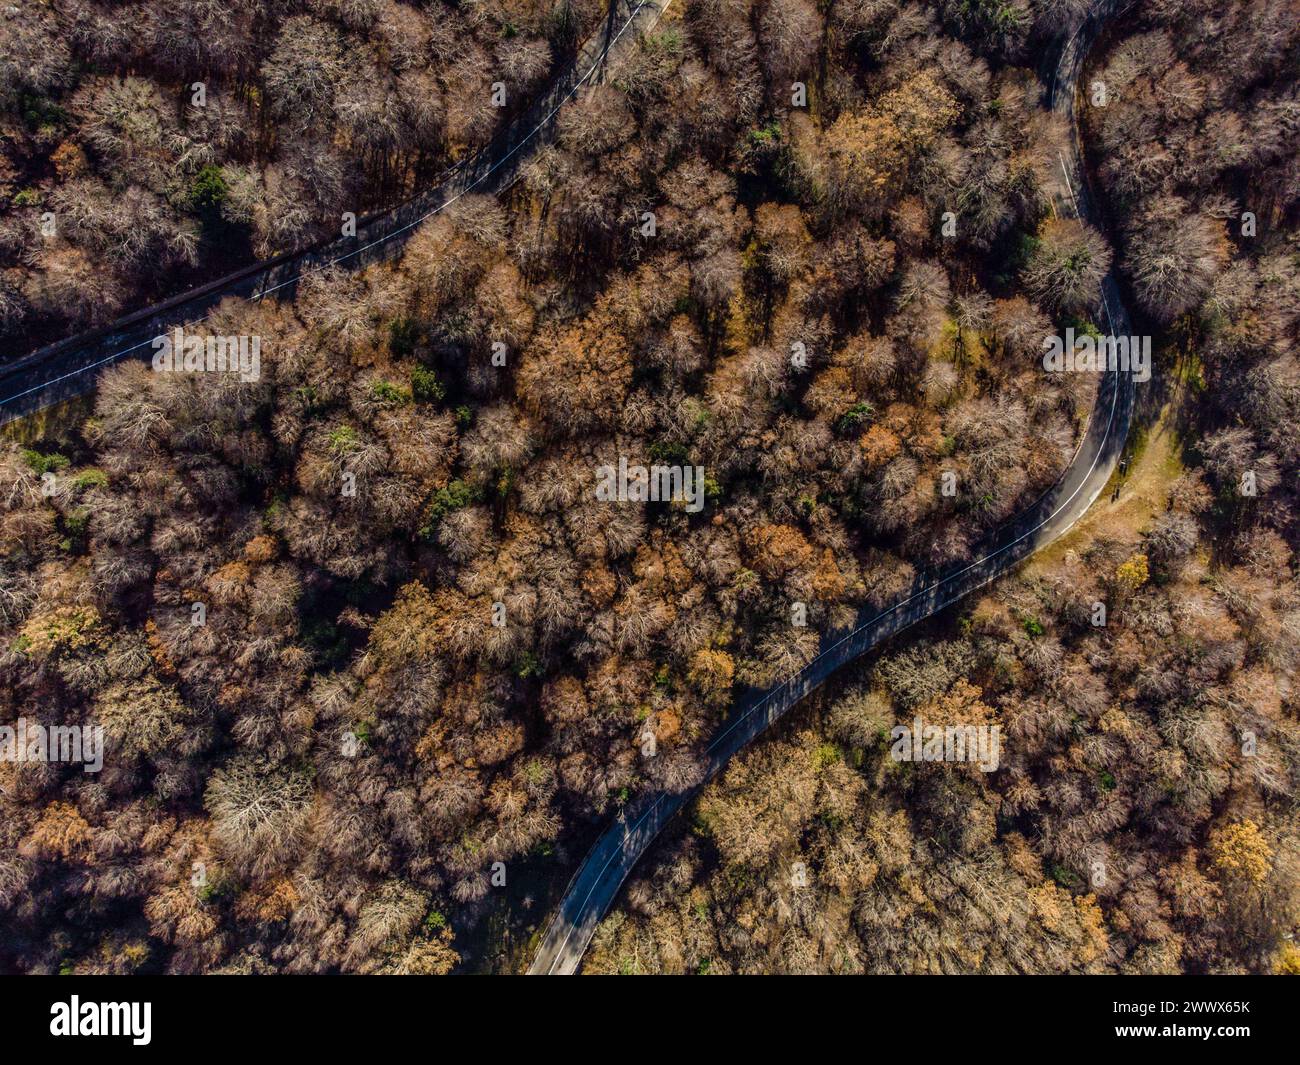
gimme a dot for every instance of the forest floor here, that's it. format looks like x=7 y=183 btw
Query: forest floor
x=55 y=425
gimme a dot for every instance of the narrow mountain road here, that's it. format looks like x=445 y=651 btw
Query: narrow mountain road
x=71 y=367
x=596 y=883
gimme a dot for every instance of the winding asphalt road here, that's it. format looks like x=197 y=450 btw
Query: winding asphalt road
x=70 y=367
x=592 y=890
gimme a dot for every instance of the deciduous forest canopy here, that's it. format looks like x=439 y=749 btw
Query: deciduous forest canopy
x=428 y=658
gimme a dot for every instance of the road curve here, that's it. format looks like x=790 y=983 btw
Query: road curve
x=592 y=890
x=70 y=367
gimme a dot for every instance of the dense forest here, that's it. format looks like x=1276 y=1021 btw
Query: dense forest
x=172 y=140
x=367 y=650
x=1143 y=819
